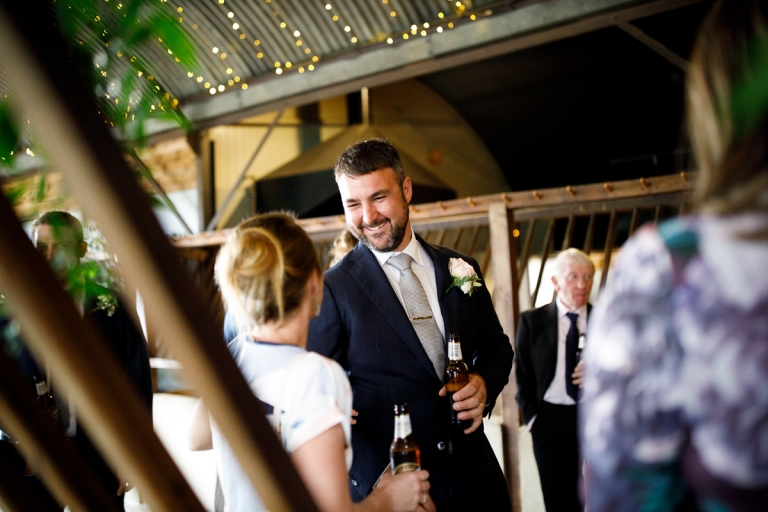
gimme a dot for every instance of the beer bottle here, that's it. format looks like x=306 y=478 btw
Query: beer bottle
x=580 y=347
x=456 y=377
x=404 y=454
x=45 y=399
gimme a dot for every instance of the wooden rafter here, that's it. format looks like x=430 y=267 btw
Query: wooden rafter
x=654 y=45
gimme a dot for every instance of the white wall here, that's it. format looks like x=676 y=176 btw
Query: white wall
x=186 y=202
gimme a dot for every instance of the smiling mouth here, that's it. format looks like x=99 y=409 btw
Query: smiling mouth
x=374 y=229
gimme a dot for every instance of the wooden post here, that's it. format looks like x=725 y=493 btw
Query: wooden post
x=205 y=181
x=569 y=232
x=548 y=241
x=504 y=247
x=590 y=236
x=610 y=238
x=523 y=268
x=60 y=102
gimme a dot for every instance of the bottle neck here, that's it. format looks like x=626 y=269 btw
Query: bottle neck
x=454 y=351
x=402 y=426
x=42 y=388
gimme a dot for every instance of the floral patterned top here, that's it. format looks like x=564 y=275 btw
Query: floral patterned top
x=675 y=407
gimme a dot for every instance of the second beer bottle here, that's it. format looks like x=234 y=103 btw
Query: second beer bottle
x=45 y=399
x=404 y=454
x=456 y=377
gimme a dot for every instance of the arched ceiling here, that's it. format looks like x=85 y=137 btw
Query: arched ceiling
x=258 y=38
x=521 y=103
x=255 y=56
x=260 y=55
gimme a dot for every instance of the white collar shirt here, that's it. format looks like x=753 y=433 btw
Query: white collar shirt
x=556 y=392
x=424 y=269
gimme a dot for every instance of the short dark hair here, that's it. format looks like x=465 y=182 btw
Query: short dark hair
x=58 y=219
x=367 y=157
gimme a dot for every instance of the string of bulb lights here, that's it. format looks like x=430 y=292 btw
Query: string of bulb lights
x=281 y=64
x=226 y=28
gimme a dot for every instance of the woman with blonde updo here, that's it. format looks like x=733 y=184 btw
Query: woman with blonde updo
x=270 y=279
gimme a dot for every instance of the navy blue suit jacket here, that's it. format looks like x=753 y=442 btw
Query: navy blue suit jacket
x=364 y=327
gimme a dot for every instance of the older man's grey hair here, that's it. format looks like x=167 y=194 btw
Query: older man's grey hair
x=572 y=255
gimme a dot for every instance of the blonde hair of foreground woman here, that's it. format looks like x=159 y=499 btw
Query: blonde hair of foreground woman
x=269 y=274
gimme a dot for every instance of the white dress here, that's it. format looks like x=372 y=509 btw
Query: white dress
x=316 y=397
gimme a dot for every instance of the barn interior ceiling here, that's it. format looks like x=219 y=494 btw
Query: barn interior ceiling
x=259 y=56
x=560 y=91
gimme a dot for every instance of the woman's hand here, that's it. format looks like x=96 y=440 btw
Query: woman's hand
x=407 y=492
x=199 y=434
x=578 y=375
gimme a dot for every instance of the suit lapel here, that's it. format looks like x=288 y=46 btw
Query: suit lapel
x=550 y=353
x=374 y=283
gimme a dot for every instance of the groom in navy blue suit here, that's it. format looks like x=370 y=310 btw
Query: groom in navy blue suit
x=364 y=326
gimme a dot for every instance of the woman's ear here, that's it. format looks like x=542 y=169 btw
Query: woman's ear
x=316 y=284
x=315 y=289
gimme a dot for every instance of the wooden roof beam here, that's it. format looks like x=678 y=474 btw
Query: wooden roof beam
x=654 y=45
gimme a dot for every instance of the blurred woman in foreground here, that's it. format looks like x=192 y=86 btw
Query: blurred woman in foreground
x=270 y=279
x=675 y=412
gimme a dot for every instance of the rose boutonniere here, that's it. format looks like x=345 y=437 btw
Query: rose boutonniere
x=463 y=275
x=107 y=302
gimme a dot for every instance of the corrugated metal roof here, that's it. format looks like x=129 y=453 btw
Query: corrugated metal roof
x=241 y=42
x=238 y=41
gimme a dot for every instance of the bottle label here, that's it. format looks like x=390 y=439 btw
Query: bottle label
x=42 y=387
x=406 y=467
x=402 y=426
x=454 y=351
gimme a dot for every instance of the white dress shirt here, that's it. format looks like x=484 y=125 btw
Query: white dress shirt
x=423 y=268
x=557 y=393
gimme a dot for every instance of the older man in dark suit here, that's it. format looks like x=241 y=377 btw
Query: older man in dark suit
x=385 y=317
x=548 y=378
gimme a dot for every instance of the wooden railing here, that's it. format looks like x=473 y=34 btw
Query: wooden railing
x=596 y=218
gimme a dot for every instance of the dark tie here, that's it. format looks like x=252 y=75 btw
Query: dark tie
x=571 y=344
x=419 y=311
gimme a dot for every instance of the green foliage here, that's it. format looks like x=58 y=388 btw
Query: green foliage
x=100 y=265
x=750 y=91
x=42 y=181
x=111 y=41
x=15 y=193
x=9 y=135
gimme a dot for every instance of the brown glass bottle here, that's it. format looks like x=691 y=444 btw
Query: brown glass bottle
x=456 y=377
x=404 y=454
x=45 y=399
x=580 y=347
